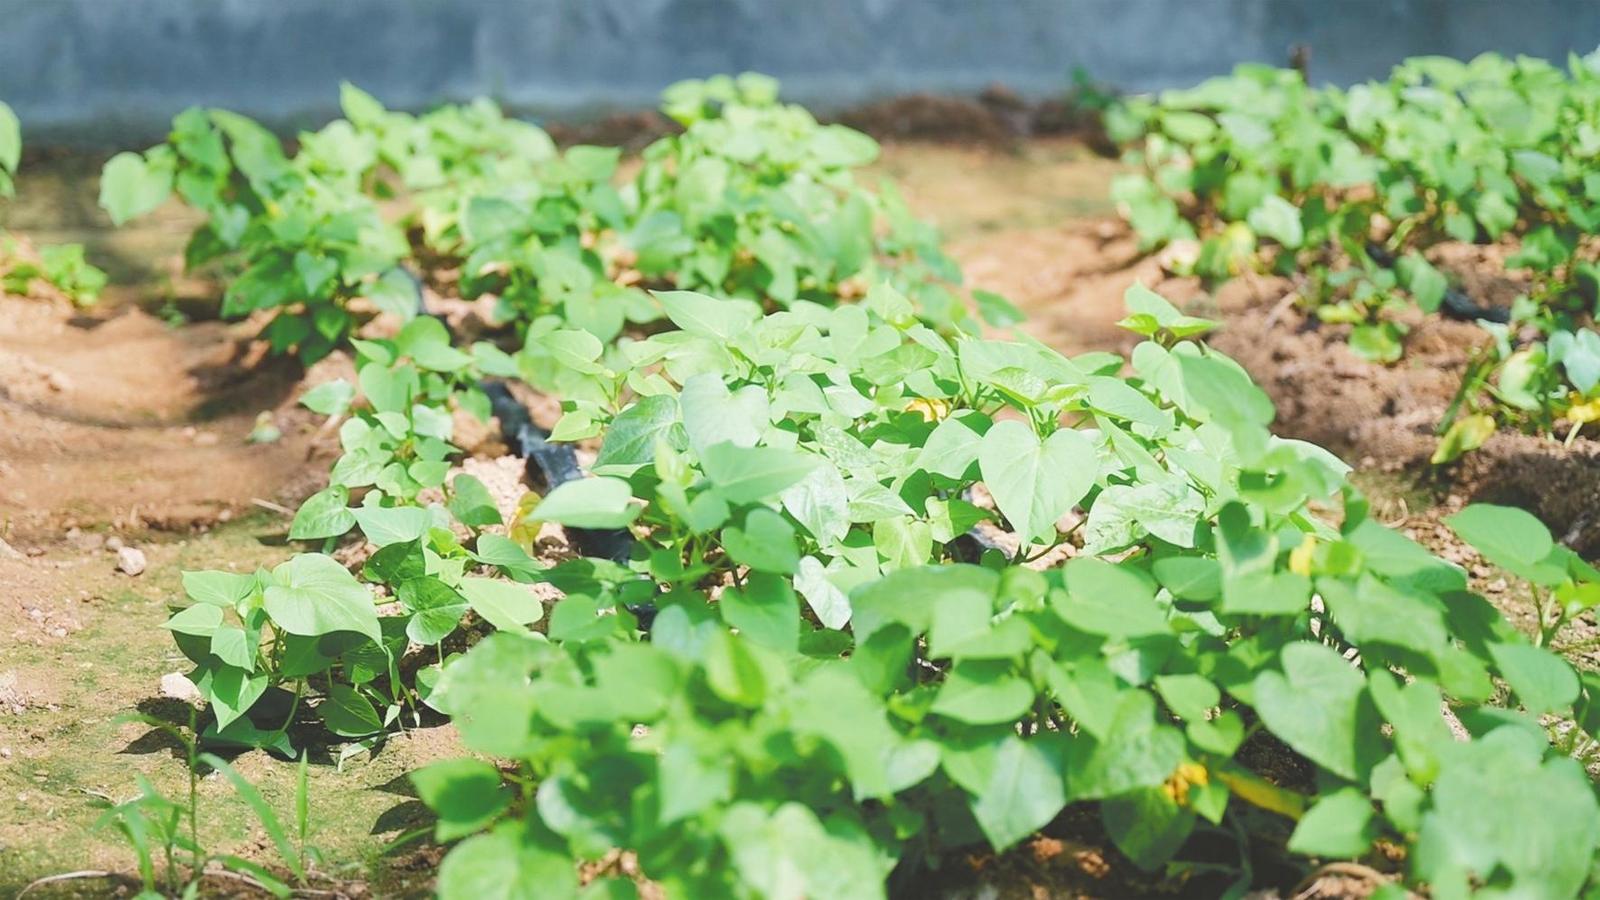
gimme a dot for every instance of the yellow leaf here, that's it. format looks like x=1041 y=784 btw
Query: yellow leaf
x=1466 y=435
x=1300 y=557
x=524 y=530
x=1257 y=791
x=1582 y=412
x=930 y=410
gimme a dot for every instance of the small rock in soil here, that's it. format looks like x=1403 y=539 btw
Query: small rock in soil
x=130 y=561
x=114 y=544
x=178 y=687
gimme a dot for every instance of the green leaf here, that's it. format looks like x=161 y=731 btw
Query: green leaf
x=1111 y=600
x=427 y=341
x=1278 y=219
x=472 y=504
x=436 y=609
x=787 y=852
x=1124 y=514
x=983 y=692
x=749 y=474
x=733 y=670
x=201 y=620
x=132 y=185
x=331 y=398
x=1378 y=341
x=1543 y=681
x=952 y=447
x=630 y=442
x=1426 y=283
x=502 y=865
x=498 y=550
x=385 y=525
x=397 y=563
x=395 y=293
x=820 y=502
x=1318 y=705
x=233 y=691
x=695 y=785
x=347 y=713
x=1190 y=696
x=1149 y=312
x=235 y=646
x=1512 y=539
x=466 y=794
x=601 y=502
x=325 y=514
x=765 y=610
x=10 y=139
x=765 y=543
x=713 y=414
x=1341 y=824
x=479 y=692
x=504 y=605
x=902 y=541
x=1134 y=751
x=1035 y=483
x=1500 y=806
x=313 y=595
x=225 y=589
x=706 y=316
x=1025 y=792
x=1219 y=391
x=997 y=311
x=1147 y=825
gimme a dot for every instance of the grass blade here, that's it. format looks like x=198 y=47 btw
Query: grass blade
x=264 y=813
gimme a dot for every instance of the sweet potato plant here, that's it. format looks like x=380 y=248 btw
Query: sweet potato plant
x=1350 y=188
x=894 y=589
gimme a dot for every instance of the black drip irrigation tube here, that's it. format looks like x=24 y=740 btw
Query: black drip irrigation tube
x=552 y=465
x=1456 y=304
x=546 y=463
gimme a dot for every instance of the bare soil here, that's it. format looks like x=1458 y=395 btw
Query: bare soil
x=1382 y=418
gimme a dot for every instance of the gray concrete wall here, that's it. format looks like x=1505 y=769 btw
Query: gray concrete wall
x=121 y=68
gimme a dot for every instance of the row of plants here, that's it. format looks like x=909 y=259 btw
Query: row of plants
x=1351 y=188
x=752 y=199
x=25 y=270
x=911 y=589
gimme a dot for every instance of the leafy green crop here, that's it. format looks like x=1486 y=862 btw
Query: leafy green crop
x=62 y=266
x=301 y=235
x=825 y=694
x=754 y=199
x=1351 y=187
x=912 y=590
x=1532 y=387
x=10 y=150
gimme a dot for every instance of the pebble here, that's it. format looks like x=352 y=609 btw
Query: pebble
x=178 y=686
x=130 y=561
x=114 y=543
